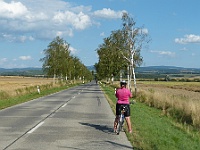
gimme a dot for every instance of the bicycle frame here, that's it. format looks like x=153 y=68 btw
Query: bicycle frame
x=121 y=119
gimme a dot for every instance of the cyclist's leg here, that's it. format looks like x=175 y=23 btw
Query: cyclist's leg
x=116 y=123
x=128 y=119
x=117 y=116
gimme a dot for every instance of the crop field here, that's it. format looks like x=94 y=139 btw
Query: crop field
x=183 y=90
x=9 y=84
x=180 y=100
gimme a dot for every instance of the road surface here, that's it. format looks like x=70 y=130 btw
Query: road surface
x=78 y=118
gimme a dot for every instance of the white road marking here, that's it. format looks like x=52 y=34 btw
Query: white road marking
x=64 y=105
x=32 y=130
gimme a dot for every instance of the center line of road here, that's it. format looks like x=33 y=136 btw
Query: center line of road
x=64 y=105
x=33 y=129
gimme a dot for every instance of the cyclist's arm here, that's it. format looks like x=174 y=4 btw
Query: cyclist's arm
x=131 y=95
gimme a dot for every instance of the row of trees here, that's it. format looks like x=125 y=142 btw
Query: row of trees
x=60 y=63
x=120 y=52
x=118 y=55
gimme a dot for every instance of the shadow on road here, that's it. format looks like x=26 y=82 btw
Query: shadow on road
x=108 y=130
x=120 y=145
x=102 y=128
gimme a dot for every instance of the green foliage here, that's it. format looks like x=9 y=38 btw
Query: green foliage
x=120 y=50
x=111 y=60
x=58 y=62
x=56 y=55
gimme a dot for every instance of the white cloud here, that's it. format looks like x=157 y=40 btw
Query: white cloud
x=108 y=13
x=164 y=53
x=23 y=20
x=25 y=38
x=184 y=49
x=19 y=19
x=191 y=38
x=72 y=50
x=102 y=34
x=144 y=31
x=25 y=57
x=3 y=60
x=12 y=9
x=78 y=21
x=18 y=38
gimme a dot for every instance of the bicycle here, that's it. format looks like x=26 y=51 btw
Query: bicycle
x=121 y=118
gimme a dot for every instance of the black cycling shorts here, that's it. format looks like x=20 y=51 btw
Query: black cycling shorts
x=118 y=109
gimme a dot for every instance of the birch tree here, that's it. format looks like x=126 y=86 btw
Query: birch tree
x=122 y=50
x=135 y=39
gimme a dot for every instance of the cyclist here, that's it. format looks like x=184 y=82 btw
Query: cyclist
x=123 y=95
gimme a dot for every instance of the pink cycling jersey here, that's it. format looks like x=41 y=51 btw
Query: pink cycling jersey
x=123 y=95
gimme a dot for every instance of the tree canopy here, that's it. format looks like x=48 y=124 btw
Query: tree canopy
x=59 y=62
x=116 y=50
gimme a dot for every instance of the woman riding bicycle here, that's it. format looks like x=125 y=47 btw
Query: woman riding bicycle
x=123 y=94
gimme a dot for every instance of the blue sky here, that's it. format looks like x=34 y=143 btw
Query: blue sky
x=28 y=26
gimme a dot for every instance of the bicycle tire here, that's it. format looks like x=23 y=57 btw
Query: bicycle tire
x=120 y=124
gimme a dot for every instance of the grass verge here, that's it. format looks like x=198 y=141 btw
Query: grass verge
x=27 y=97
x=153 y=131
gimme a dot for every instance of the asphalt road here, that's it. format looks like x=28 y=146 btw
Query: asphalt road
x=79 y=118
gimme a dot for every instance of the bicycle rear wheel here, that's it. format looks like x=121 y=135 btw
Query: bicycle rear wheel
x=120 y=125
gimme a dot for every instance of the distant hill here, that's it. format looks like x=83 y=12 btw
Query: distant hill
x=140 y=70
x=28 y=71
x=167 y=70
x=161 y=69
x=156 y=72
x=91 y=68
x=21 y=72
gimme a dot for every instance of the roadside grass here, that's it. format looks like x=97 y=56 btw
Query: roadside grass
x=154 y=131
x=11 y=101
